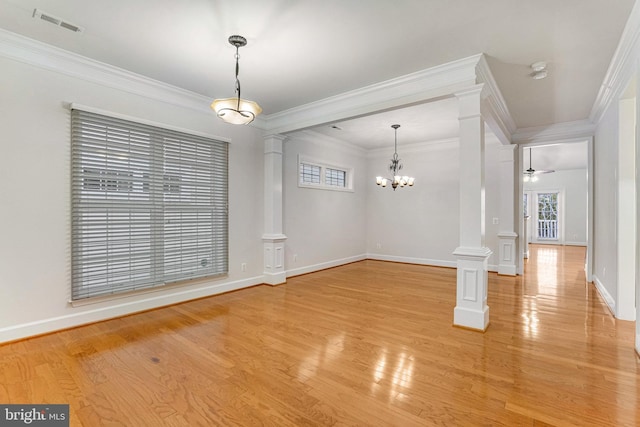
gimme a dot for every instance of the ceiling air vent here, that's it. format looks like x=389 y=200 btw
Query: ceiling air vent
x=56 y=21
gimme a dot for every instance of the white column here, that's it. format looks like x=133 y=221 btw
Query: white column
x=471 y=309
x=507 y=235
x=626 y=211
x=273 y=238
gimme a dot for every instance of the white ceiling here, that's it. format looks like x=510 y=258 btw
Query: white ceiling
x=301 y=51
x=557 y=157
x=420 y=123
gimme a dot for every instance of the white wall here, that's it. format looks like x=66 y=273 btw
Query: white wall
x=416 y=224
x=324 y=228
x=35 y=199
x=626 y=219
x=573 y=186
x=492 y=200
x=420 y=224
x=605 y=251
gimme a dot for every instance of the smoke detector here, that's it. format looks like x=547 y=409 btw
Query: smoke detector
x=539 y=70
x=45 y=16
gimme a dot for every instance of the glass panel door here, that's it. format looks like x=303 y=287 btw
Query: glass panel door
x=547 y=216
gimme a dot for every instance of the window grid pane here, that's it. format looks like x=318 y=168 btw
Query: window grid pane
x=335 y=177
x=148 y=206
x=309 y=174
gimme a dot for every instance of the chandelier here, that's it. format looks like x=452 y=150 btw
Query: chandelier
x=236 y=110
x=395 y=167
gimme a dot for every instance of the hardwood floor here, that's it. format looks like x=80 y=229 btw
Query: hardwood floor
x=369 y=343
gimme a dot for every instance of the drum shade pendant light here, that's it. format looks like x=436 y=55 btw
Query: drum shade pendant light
x=236 y=110
x=395 y=167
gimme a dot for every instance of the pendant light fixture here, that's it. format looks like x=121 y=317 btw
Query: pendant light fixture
x=236 y=110
x=395 y=167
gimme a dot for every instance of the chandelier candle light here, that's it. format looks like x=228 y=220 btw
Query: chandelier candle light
x=395 y=167
x=236 y=110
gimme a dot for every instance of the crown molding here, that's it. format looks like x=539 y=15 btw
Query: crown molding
x=436 y=82
x=557 y=132
x=418 y=147
x=327 y=141
x=622 y=67
x=495 y=110
x=23 y=49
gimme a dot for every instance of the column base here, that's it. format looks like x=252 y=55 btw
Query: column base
x=273 y=247
x=478 y=320
x=507 y=263
x=471 y=310
x=274 y=279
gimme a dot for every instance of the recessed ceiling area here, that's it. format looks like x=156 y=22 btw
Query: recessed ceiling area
x=431 y=121
x=557 y=157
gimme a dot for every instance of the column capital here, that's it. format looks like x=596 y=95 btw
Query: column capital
x=470 y=101
x=273 y=238
x=478 y=90
x=474 y=253
x=506 y=153
x=276 y=136
x=508 y=148
x=273 y=143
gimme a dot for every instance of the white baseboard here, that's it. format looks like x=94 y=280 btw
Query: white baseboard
x=409 y=260
x=122 y=307
x=606 y=296
x=575 y=243
x=324 y=265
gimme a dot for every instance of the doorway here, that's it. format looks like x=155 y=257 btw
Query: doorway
x=557 y=195
x=546 y=217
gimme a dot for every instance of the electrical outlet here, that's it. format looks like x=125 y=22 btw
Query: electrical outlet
x=378 y=246
x=496 y=221
x=243 y=266
x=295 y=258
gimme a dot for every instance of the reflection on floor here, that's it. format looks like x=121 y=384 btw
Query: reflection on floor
x=369 y=343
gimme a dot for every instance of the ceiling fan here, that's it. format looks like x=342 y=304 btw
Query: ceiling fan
x=530 y=174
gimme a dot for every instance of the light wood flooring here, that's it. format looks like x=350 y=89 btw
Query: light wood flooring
x=369 y=343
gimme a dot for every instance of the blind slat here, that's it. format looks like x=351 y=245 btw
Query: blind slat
x=149 y=205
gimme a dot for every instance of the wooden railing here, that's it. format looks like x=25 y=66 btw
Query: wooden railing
x=547 y=229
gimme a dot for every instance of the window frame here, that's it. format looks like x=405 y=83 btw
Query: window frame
x=324 y=167
x=167 y=178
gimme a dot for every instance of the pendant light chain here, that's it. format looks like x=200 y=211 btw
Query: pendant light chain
x=236 y=110
x=238 y=72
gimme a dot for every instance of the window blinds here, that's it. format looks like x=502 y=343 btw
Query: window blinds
x=149 y=205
